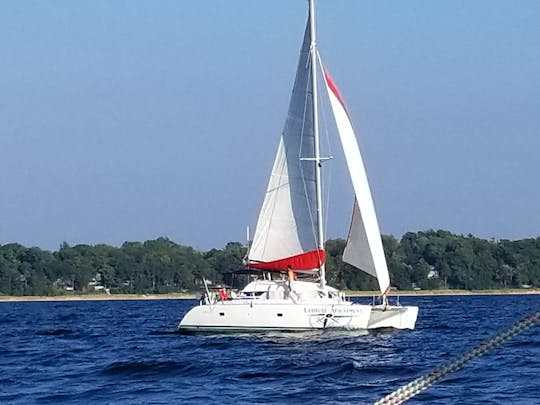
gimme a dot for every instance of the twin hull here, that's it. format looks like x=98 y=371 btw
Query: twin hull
x=255 y=316
x=389 y=316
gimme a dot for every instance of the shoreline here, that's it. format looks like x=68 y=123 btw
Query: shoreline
x=188 y=296
x=96 y=297
x=432 y=293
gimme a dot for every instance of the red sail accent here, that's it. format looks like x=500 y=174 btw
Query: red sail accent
x=304 y=261
x=332 y=86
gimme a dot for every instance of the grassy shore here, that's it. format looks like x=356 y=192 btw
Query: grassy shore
x=176 y=296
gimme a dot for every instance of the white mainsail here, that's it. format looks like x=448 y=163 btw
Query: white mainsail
x=286 y=234
x=364 y=248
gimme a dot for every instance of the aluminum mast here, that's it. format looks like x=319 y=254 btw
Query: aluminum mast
x=313 y=55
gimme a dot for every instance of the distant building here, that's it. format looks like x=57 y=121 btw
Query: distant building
x=433 y=274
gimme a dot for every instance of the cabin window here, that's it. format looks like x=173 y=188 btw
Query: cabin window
x=222 y=314
x=279 y=314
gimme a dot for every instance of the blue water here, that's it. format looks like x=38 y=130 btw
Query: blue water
x=128 y=352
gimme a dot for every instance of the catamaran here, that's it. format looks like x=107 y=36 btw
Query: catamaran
x=287 y=250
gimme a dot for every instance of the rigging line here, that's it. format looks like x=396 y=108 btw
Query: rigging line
x=310 y=209
x=408 y=391
x=325 y=120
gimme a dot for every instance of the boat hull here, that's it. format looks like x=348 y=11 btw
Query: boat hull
x=396 y=317
x=252 y=316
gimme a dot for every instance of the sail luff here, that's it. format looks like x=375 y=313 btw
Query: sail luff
x=364 y=248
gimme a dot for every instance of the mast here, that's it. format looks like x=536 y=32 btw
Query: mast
x=313 y=55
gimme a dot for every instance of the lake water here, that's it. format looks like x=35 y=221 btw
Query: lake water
x=128 y=352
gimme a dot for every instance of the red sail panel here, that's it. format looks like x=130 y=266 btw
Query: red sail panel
x=332 y=86
x=304 y=261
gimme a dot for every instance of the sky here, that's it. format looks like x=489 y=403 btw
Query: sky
x=130 y=120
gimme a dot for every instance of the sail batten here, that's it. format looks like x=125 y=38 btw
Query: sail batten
x=364 y=248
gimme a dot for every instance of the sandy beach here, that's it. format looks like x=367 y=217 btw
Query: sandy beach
x=181 y=296
x=98 y=297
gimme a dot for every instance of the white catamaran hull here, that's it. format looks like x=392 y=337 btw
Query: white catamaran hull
x=286 y=316
x=396 y=317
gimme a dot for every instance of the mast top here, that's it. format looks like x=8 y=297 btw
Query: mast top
x=312 y=24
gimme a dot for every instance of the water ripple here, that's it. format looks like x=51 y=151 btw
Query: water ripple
x=129 y=352
x=54 y=332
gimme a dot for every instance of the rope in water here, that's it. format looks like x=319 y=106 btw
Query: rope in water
x=420 y=384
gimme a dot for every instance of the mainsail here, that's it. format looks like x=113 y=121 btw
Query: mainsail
x=364 y=248
x=286 y=236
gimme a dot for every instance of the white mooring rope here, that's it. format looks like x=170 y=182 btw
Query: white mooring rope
x=420 y=384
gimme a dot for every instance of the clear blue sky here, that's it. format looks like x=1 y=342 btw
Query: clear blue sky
x=129 y=120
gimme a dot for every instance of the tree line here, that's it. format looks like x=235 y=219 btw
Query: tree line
x=419 y=260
